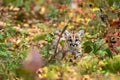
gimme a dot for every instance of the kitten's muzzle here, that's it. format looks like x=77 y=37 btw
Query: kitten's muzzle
x=73 y=45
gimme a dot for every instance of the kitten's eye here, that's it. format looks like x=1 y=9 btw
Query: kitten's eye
x=76 y=39
x=70 y=40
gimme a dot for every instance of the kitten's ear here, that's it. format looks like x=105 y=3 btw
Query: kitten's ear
x=66 y=33
x=81 y=33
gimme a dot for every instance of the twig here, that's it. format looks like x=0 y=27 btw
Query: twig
x=55 y=53
x=65 y=27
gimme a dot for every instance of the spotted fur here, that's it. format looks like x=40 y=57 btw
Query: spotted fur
x=73 y=41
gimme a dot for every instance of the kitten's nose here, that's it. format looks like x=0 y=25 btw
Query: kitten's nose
x=74 y=45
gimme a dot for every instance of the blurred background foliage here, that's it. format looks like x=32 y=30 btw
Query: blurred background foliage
x=26 y=22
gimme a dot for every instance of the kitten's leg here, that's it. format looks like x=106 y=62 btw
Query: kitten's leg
x=64 y=53
x=77 y=54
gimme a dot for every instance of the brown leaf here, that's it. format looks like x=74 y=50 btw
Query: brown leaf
x=92 y=16
x=115 y=23
x=80 y=11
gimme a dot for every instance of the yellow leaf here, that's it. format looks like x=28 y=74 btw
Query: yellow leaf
x=95 y=9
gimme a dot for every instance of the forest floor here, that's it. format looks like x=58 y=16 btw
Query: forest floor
x=22 y=29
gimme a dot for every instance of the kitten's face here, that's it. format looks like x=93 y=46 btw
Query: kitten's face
x=73 y=39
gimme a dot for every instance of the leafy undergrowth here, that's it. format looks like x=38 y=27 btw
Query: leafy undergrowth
x=33 y=23
x=88 y=67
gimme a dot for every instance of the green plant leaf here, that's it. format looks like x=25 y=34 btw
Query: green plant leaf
x=109 y=53
x=39 y=37
x=88 y=46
